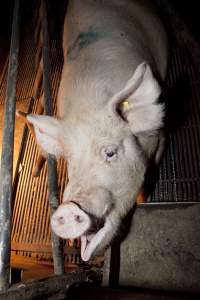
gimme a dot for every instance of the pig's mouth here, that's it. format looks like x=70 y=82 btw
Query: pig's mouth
x=72 y=221
x=92 y=237
x=86 y=242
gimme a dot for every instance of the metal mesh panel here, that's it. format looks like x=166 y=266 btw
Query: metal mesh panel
x=30 y=231
x=26 y=72
x=179 y=173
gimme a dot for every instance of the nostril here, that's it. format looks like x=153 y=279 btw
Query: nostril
x=78 y=219
x=60 y=220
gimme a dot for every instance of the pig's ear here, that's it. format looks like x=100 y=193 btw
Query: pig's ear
x=47 y=132
x=138 y=104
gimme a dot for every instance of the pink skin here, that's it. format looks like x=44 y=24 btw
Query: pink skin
x=107 y=159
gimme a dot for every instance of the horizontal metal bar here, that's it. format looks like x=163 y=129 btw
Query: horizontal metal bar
x=179 y=204
x=41 y=248
x=52 y=286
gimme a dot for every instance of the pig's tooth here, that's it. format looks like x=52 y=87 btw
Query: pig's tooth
x=83 y=245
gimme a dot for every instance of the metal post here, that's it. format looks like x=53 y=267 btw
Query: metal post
x=57 y=245
x=6 y=169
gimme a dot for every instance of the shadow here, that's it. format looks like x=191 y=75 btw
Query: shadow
x=176 y=101
x=178 y=111
x=115 y=249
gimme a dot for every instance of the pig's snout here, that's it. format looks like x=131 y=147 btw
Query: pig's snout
x=69 y=221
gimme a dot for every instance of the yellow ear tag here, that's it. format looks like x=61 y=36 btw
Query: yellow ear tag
x=125 y=104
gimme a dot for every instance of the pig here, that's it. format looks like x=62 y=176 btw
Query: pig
x=110 y=118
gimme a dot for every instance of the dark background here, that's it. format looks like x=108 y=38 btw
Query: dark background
x=190 y=12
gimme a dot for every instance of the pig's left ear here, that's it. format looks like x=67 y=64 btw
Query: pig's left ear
x=137 y=103
x=47 y=131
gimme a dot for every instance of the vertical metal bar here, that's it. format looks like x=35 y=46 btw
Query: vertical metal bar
x=57 y=245
x=7 y=154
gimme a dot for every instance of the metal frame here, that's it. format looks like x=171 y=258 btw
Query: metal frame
x=57 y=245
x=55 y=287
x=6 y=171
x=7 y=154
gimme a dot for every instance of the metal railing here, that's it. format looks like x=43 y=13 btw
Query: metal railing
x=6 y=169
x=57 y=245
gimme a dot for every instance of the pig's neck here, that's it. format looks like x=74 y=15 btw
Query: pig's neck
x=89 y=81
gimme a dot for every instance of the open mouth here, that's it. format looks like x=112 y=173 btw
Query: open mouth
x=86 y=249
x=71 y=221
x=92 y=238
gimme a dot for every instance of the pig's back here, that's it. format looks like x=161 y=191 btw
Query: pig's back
x=103 y=43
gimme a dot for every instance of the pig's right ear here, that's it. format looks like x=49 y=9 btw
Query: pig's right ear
x=47 y=131
x=137 y=103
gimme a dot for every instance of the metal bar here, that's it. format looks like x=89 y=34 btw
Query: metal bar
x=57 y=245
x=22 y=149
x=7 y=154
x=42 y=194
x=26 y=176
x=17 y=188
x=3 y=73
x=55 y=287
x=21 y=189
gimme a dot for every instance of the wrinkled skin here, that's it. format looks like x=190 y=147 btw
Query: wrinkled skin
x=110 y=120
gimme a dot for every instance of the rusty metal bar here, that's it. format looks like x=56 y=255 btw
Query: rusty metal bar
x=57 y=245
x=55 y=287
x=7 y=154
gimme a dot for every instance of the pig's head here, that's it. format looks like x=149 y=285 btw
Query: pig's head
x=106 y=161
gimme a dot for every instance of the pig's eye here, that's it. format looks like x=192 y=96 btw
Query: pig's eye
x=109 y=153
